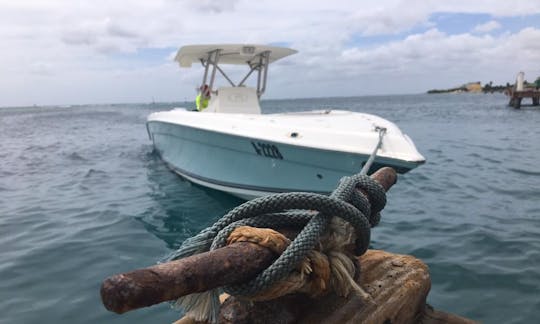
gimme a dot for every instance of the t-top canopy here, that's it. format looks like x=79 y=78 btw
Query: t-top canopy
x=229 y=53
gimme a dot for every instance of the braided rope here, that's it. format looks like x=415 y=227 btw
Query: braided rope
x=295 y=209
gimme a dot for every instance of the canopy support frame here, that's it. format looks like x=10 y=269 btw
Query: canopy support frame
x=259 y=63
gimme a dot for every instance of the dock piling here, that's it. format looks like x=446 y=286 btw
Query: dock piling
x=516 y=97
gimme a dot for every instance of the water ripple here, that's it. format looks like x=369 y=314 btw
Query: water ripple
x=88 y=198
x=525 y=172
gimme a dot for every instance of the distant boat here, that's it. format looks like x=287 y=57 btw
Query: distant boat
x=232 y=147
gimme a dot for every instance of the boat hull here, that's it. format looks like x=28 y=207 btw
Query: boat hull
x=249 y=167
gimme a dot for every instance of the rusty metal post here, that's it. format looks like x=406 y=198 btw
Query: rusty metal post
x=231 y=264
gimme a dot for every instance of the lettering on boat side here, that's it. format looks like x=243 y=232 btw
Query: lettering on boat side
x=237 y=98
x=268 y=150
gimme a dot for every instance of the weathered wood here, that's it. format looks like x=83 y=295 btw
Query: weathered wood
x=232 y=264
x=432 y=316
x=398 y=285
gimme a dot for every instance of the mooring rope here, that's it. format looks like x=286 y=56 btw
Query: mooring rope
x=296 y=209
x=367 y=166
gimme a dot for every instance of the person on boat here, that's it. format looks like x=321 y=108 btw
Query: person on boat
x=202 y=98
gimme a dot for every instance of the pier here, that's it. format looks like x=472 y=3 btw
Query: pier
x=522 y=89
x=517 y=96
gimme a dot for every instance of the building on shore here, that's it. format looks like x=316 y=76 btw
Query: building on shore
x=475 y=87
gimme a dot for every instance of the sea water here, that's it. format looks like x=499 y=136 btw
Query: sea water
x=83 y=196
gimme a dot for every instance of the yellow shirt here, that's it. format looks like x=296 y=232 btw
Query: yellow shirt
x=201 y=105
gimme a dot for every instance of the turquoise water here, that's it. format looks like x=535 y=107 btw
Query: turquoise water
x=82 y=197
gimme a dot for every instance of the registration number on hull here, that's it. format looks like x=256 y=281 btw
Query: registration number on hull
x=267 y=150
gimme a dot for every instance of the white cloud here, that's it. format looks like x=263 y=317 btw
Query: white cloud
x=446 y=59
x=487 y=27
x=61 y=51
x=213 y=6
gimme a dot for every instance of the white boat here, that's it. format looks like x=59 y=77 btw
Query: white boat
x=231 y=146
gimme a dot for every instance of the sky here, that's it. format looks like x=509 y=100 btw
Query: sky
x=61 y=52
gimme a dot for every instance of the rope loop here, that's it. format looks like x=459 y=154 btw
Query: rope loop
x=311 y=211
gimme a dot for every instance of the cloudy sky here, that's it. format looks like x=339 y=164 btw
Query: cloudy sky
x=112 y=51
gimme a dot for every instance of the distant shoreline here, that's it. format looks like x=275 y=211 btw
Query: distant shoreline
x=473 y=87
x=476 y=87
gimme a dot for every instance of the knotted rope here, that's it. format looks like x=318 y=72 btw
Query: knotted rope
x=343 y=217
